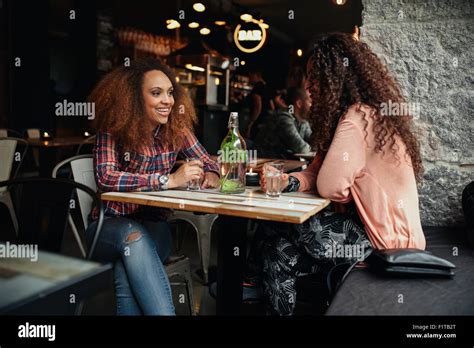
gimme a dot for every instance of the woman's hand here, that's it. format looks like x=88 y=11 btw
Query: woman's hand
x=263 y=184
x=211 y=180
x=187 y=172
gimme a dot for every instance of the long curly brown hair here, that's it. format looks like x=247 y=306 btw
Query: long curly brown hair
x=119 y=107
x=343 y=72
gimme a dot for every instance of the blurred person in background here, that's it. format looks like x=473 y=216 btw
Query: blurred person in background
x=289 y=131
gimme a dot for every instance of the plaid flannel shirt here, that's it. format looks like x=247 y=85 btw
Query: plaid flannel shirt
x=119 y=171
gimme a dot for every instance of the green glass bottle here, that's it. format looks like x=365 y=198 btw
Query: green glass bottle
x=233 y=158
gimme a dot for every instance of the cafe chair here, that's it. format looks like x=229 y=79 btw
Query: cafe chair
x=42 y=218
x=82 y=171
x=9 y=171
x=202 y=224
x=6 y=132
x=43 y=212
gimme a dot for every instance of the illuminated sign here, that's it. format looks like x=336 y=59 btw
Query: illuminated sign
x=251 y=37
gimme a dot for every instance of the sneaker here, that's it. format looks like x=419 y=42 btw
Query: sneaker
x=250 y=292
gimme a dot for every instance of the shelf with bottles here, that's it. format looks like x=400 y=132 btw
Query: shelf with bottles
x=143 y=42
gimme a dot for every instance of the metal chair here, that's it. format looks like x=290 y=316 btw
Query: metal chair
x=6 y=132
x=82 y=170
x=202 y=224
x=41 y=229
x=8 y=156
x=43 y=219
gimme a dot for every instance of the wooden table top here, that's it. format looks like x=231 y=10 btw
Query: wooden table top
x=294 y=207
x=59 y=141
x=22 y=280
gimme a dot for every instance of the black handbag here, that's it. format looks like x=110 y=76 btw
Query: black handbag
x=409 y=263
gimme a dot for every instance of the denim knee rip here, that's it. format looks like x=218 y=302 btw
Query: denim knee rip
x=133 y=237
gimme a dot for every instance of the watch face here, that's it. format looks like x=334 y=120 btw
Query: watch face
x=164 y=179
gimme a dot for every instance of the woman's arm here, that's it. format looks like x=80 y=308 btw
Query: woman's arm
x=194 y=149
x=107 y=174
x=343 y=163
x=307 y=177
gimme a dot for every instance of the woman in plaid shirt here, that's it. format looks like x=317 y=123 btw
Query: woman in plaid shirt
x=144 y=122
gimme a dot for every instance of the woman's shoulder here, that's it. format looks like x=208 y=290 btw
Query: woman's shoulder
x=359 y=114
x=104 y=137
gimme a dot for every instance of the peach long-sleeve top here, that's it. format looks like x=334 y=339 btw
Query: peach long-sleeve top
x=383 y=189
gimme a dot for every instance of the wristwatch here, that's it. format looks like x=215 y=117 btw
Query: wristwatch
x=293 y=184
x=164 y=179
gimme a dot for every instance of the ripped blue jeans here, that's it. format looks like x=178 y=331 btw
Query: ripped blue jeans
x=138 y=251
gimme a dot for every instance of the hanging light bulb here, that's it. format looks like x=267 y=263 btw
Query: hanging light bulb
x=246 y=17
x=205 y=31
x=198 y=7
x=172 y=24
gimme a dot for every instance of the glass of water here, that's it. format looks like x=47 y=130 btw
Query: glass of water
x=194 y=184
x=273 y=180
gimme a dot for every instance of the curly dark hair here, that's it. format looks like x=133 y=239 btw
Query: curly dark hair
x=119 y=107
x=343 y=72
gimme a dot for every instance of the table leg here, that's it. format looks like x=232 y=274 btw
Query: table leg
x=231 y=255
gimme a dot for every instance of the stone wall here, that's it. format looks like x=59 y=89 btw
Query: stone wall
x=428 y=45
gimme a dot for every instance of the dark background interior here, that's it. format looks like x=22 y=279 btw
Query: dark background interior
x=59 y=55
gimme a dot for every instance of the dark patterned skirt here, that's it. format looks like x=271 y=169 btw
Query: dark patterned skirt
x=282 y=252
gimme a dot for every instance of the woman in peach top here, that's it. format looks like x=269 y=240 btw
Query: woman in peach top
x=368 y=164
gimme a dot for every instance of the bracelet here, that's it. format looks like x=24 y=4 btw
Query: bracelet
x=293 y=184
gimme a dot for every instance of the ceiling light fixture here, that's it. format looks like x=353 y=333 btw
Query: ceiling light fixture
x=198 y=7
x=172 y=24
x=205 y=31
x=246 y=17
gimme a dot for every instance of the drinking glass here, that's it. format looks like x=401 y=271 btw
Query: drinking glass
x=194 y=184
x=273 y=179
